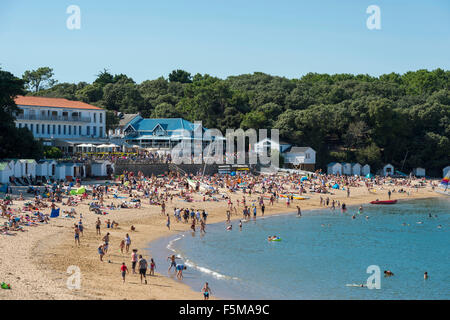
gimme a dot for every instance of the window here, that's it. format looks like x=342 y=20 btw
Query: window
x=31 y=127
x=70 y=130
x=101 y=117
x=95 y=117
x=43 y=129
x=64 y=129
x=88 y=130
x=94 y=129
x=37 y=128
x=59 y=129
x=100 y=134
x=48 y=129
x=74 y=130
x=54 y=129
x=20 y=125
x=79 y=130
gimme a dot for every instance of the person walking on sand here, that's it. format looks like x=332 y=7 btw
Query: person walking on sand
x=127 y=242
x=122 y=245
x=97 y=226
x=106 y=240
x=124 y=270
x=134 y=260
x=152 y=267
x=101 y=252
x=168 y=222
x=142 y=268
x=206 y=291
x=77 y=235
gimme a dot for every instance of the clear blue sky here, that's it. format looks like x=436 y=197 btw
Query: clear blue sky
x=148 y=39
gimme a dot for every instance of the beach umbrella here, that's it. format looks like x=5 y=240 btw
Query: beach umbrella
x=369 y=175
x=233 y=173
x=304 y=178
x=336 y=186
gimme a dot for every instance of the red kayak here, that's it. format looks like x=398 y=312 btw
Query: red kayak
x=384 y=202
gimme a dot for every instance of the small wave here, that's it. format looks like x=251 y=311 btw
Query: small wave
x=171 y=242
x=208 y=271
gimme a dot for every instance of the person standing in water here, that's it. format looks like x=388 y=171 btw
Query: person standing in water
x=425 y=275
x=206 y=291
x=299 y=211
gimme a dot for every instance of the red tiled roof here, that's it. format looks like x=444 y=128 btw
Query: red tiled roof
x=53 y=102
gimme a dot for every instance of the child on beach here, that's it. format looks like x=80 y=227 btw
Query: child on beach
x=101 y=252
x=152 y=267
x=124 y=271
x=206 y=291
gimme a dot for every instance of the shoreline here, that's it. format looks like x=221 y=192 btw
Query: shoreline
x=40 y=272
x=166 y=240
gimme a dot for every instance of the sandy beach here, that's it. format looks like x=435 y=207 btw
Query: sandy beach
x=35 y=262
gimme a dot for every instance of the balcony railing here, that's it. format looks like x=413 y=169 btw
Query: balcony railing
x=52 y=118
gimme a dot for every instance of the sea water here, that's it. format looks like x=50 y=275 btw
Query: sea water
x=321 y=254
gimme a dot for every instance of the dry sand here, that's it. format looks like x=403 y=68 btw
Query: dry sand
x=35 y=262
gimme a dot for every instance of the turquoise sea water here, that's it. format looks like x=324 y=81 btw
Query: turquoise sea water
x=320 y=253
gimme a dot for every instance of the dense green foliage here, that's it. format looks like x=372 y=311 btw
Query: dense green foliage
x=52 y=152
x=14 y=142
x=401 y=119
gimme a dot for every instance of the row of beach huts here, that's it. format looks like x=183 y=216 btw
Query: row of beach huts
x=359 y=170
x=30 y=171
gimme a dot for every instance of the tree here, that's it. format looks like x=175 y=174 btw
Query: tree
x=14 y=142
x=52 y=152
x=103 y=78
x=180 y=76
x=39 y=78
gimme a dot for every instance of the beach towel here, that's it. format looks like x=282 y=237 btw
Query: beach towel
x=55 y=213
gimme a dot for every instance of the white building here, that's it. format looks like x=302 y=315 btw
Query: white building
x=304 y=157
x=388 y=170
x=334 y=168
x=346 y=168
x=365 y=170
x=419 y=172
x=268 y=144
x=62 y=119
x=356 y=169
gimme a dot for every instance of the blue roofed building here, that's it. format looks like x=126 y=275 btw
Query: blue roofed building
x=162 y=133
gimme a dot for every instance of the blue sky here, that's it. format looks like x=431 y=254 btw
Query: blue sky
x=148 y=39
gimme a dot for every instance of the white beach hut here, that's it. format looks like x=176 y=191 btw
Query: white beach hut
x=102 y=168
x=365 y=170
x=6 y=171
x=419 y=172
x=388 y=170
x=60 y=171
x=346 y=168
x=356 y=169
x=334 y=168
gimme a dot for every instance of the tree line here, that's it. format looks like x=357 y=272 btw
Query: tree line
x=403 y=119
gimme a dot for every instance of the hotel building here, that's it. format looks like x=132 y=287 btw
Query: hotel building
x=61 y=122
